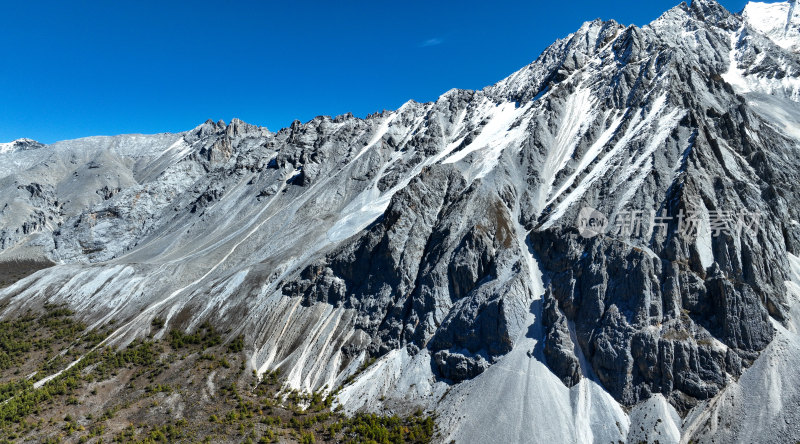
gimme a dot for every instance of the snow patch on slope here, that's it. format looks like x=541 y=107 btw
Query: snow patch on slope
x=782 y=115
x=788 y=85
x=778 y=21
x=642 y=165
x=501 y=131
x=378 y=134
x=578 y=115
x=602 y=167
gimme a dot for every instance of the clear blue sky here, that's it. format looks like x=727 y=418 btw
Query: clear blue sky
x=77 y=68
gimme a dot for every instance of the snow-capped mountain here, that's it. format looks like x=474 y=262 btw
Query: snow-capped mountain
x=778 y=21
x=19 y=145
x=444 y=239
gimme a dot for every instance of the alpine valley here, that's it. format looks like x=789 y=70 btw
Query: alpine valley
x=424 y=265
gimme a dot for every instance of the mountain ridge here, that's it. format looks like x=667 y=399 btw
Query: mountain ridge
x=440 y=239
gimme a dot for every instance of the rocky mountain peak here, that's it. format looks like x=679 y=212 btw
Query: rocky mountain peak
x=20 y=145
x=710 y=11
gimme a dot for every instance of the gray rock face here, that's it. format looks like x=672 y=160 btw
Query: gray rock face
x=559 y=349
x=631 y=321
x=417 y=236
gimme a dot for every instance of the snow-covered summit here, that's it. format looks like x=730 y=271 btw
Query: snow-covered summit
x=778 y=21
x=19 y=145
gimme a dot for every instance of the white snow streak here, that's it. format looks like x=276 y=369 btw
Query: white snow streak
x=637 y=125
x=495 y=136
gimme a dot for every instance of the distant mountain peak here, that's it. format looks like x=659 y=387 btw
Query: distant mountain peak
x=20 y=145
x=780 y=22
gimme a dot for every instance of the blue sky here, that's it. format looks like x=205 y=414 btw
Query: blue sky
x=74 y=69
